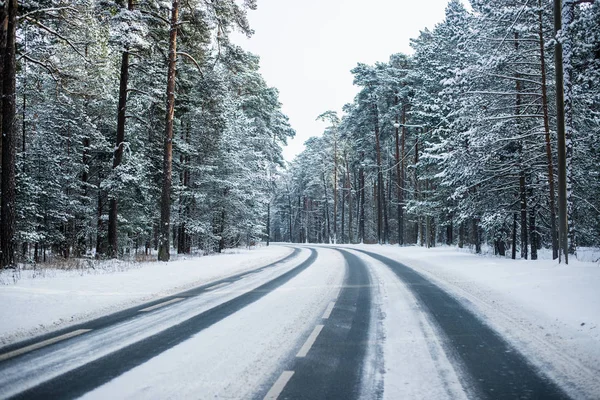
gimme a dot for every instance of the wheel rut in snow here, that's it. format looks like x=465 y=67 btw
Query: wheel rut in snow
x=83 y=379
x=132 y=312
x=495 y=370
x=332 y=368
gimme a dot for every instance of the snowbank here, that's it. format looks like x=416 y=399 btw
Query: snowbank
x=35 y=303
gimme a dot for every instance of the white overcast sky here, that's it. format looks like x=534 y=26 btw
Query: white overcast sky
x=308 y=47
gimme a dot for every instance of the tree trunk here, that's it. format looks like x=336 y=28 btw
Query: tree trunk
x=514 y=237
x=343 y=216
x=533 y=235
x=501 y=247
x=449 y=231
x=350 y=213
x=562 y=143
x=99 y=222
x=361 y=222
x=184 y=208
x=335 y=194
x=221 y=231
x=547 y=138
x=268 y=223
x=3 y=33
x=165 y=203
x=568 y=15
x=113 y=240
x=399 y=185
x=523 y=203
x=385 y=194
x=417 y=194
x=36 y=255
x=9 y=140
x=432 y=231
x=522 y=183
x=461 y=235
x=386 y=227
x=380 y=193
x=326 y=209
x=476 y=235
x=290 y=218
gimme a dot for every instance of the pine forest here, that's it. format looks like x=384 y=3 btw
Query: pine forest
x=138 y=127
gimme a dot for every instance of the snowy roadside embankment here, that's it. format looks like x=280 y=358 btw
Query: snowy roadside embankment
x=550 y=312
x=35 y=305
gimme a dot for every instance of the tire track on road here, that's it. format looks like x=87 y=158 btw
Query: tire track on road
x=330 y=363
x=131 y=312
x=93 y=374
x=495 y=370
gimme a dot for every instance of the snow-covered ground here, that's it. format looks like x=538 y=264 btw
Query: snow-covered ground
x=40 y=302
x=232 y=358
x=550 y=312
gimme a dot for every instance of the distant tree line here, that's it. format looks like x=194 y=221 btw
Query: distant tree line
x=131 y=126
x=456 y=143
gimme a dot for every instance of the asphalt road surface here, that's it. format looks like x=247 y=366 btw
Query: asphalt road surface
x=337 y=355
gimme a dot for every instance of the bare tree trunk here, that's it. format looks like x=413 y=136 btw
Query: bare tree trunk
x=547 y=139
x=522 y=182
x=183 y=208
x=416 y=195
x=461 y=235
x=523 y=203
x=476 y=235
x=9 y=140
x=427 y=220
x=385 y=203
x=305 y=206
x=113 y=240
x=533 y=235
x=361 y=223
x=165 y=203
x=85 y=160
x=290 y=217
x=380 y=193
x=562 y=143
x=326 y=209
x=343 y=216
x=514 y=237
x=400 y=178
x=3 y=33
x=449 y=231
x=99 y=222
x=350 y=213
x=268 y=223
x=335 y=194
x=221 y=231
x=568 y=15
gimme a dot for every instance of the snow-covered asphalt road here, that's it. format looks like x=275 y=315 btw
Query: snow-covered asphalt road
x=319 y=323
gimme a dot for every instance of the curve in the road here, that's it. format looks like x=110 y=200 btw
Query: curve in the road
x=496 y=369
x=330 y=365
x=85 y=378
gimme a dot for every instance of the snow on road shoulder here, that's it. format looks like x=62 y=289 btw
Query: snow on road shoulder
x=236 y=356
x=415 y=365
x=33 y=306
x=550 y=312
